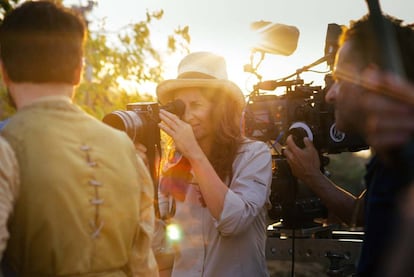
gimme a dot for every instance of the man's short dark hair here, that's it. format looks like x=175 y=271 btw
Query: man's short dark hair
x=42 y=42
x=365 y=52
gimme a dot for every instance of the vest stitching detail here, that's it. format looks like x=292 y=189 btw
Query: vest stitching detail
x=85 y=147
x=94 y=182
x=96 y=201
x=98 y=229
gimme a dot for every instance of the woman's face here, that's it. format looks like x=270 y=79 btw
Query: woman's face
x=198 y=111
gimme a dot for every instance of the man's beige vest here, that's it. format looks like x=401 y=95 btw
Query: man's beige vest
x=78 y=204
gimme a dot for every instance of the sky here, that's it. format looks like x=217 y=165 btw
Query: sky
x=223 y=26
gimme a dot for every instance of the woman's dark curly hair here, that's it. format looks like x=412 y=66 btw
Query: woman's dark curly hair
x=226 y=116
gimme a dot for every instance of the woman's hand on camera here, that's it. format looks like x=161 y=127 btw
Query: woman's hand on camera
x=181 y=132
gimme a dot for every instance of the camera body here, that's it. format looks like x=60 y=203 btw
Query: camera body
x=301 y=112
x=140 y=122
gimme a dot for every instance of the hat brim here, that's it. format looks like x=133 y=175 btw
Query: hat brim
x=165 y=90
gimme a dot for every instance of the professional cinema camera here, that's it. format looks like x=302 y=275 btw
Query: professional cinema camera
x=301 y=112
x=140 y=122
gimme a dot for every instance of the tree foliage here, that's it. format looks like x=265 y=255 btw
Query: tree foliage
x=130 y=58
x=6 y=6
x=127 y=57
x=348 y=170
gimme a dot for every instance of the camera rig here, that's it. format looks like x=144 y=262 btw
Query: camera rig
x=301 y=112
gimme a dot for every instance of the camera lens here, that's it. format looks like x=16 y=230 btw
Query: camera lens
x=127 y=121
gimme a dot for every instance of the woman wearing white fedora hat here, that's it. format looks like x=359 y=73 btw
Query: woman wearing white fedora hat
x=219 y=179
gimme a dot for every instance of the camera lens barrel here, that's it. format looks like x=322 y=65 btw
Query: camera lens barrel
x=127 y=121
x=136 y=120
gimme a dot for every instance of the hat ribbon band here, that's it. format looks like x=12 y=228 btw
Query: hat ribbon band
x=194 y=75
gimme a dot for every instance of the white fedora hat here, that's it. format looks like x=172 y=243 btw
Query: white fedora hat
x=200 y=69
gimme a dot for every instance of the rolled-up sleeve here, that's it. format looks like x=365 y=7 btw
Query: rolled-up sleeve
x=249 y=189
x=9 y=188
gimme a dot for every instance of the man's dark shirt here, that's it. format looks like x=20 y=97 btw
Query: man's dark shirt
x=381 y=214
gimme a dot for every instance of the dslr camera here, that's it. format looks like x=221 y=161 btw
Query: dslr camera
x=140 y=121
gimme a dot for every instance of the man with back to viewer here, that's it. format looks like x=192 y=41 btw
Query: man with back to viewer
x=85 y=201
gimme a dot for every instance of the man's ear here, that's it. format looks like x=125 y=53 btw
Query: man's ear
x=78 y=73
